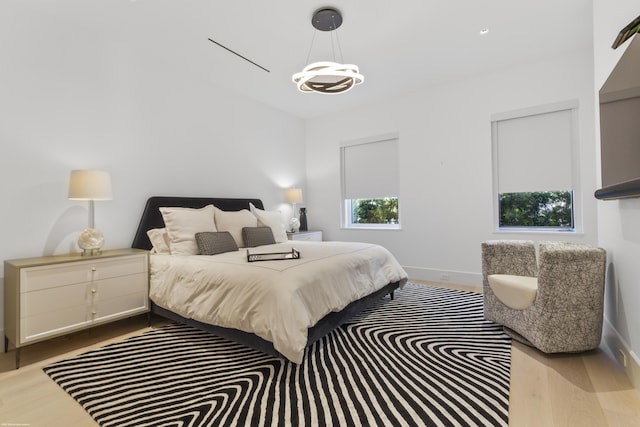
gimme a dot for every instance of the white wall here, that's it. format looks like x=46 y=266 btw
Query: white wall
x=71 y=98
x=618 y=221
x=445 y=163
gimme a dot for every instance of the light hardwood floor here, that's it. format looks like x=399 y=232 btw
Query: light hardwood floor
x=583 y=390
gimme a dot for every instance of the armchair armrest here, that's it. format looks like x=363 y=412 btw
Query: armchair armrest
x=571 y=275
x=514 y=257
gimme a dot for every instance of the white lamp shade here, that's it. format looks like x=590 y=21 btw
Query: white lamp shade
x=294 y=195
x=90 y=184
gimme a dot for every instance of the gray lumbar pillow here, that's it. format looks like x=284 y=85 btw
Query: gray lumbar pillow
x=257 y=236
x=215 y=242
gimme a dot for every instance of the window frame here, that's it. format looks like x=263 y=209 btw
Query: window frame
x=571 y=106
x=346 y=211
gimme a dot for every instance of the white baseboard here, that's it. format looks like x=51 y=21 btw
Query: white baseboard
x=444 y=276
x=619 y=350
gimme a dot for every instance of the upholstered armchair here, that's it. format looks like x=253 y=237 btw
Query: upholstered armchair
x=552 y=300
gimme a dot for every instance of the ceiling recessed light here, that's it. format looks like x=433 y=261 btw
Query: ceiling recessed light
x=484 y=31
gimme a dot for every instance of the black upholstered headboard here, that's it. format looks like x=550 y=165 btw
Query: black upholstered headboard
x=152 y=218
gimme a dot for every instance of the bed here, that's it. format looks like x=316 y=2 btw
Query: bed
x=280 y=307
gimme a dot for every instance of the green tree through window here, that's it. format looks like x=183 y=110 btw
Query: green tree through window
x=375 y=211
x=537 y=209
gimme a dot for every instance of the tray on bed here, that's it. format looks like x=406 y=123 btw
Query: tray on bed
x=272 y=256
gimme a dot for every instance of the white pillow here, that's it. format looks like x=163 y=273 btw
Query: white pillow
x=272 y=219
x=159 y=240
x=182 y=224
x=234 y=222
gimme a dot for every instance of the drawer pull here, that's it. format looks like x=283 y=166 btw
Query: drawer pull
x=93 y=291
x=93 y=269
x=94 y=312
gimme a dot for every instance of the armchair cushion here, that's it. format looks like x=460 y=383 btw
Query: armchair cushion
x=516 y=292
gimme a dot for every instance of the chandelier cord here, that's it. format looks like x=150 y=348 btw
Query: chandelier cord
x=311 y=47
x=335 y=30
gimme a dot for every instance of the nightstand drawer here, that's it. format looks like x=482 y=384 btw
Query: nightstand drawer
x=48 y=312
x=54 y=299
x=121 y=305
x=51 y=324
x=315 y=236
x=51 y=276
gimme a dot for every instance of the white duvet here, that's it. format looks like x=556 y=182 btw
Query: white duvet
x=276 y=300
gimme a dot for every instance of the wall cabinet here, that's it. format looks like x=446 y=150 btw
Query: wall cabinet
x=51 y=296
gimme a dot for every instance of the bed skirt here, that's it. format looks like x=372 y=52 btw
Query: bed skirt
x=322 y=328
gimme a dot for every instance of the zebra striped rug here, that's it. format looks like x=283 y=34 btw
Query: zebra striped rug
x=426 y=358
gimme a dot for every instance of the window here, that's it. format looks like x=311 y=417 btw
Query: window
x=535 y=168
x=551 y=209
x=370 y=183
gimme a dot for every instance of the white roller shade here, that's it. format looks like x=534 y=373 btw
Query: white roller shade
x=370 y=170
x=534 y=152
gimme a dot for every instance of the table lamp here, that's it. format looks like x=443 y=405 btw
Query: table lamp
x=293 y=196
x=91 y=185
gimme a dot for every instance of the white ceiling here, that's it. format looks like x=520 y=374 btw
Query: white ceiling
x=399 y=46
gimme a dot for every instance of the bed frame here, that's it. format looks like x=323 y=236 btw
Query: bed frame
x=152 y=218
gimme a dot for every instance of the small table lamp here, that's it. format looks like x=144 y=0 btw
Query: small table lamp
x=293 y=196
x=90 y=184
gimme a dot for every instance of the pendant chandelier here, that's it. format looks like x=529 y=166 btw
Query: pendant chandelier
x=328 y=77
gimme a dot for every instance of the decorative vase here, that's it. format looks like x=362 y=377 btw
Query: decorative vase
x=91 y=241
x=294 y=225
x=303 y=219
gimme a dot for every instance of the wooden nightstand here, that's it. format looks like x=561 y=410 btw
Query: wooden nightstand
x=306 y=235
x=51 y=296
